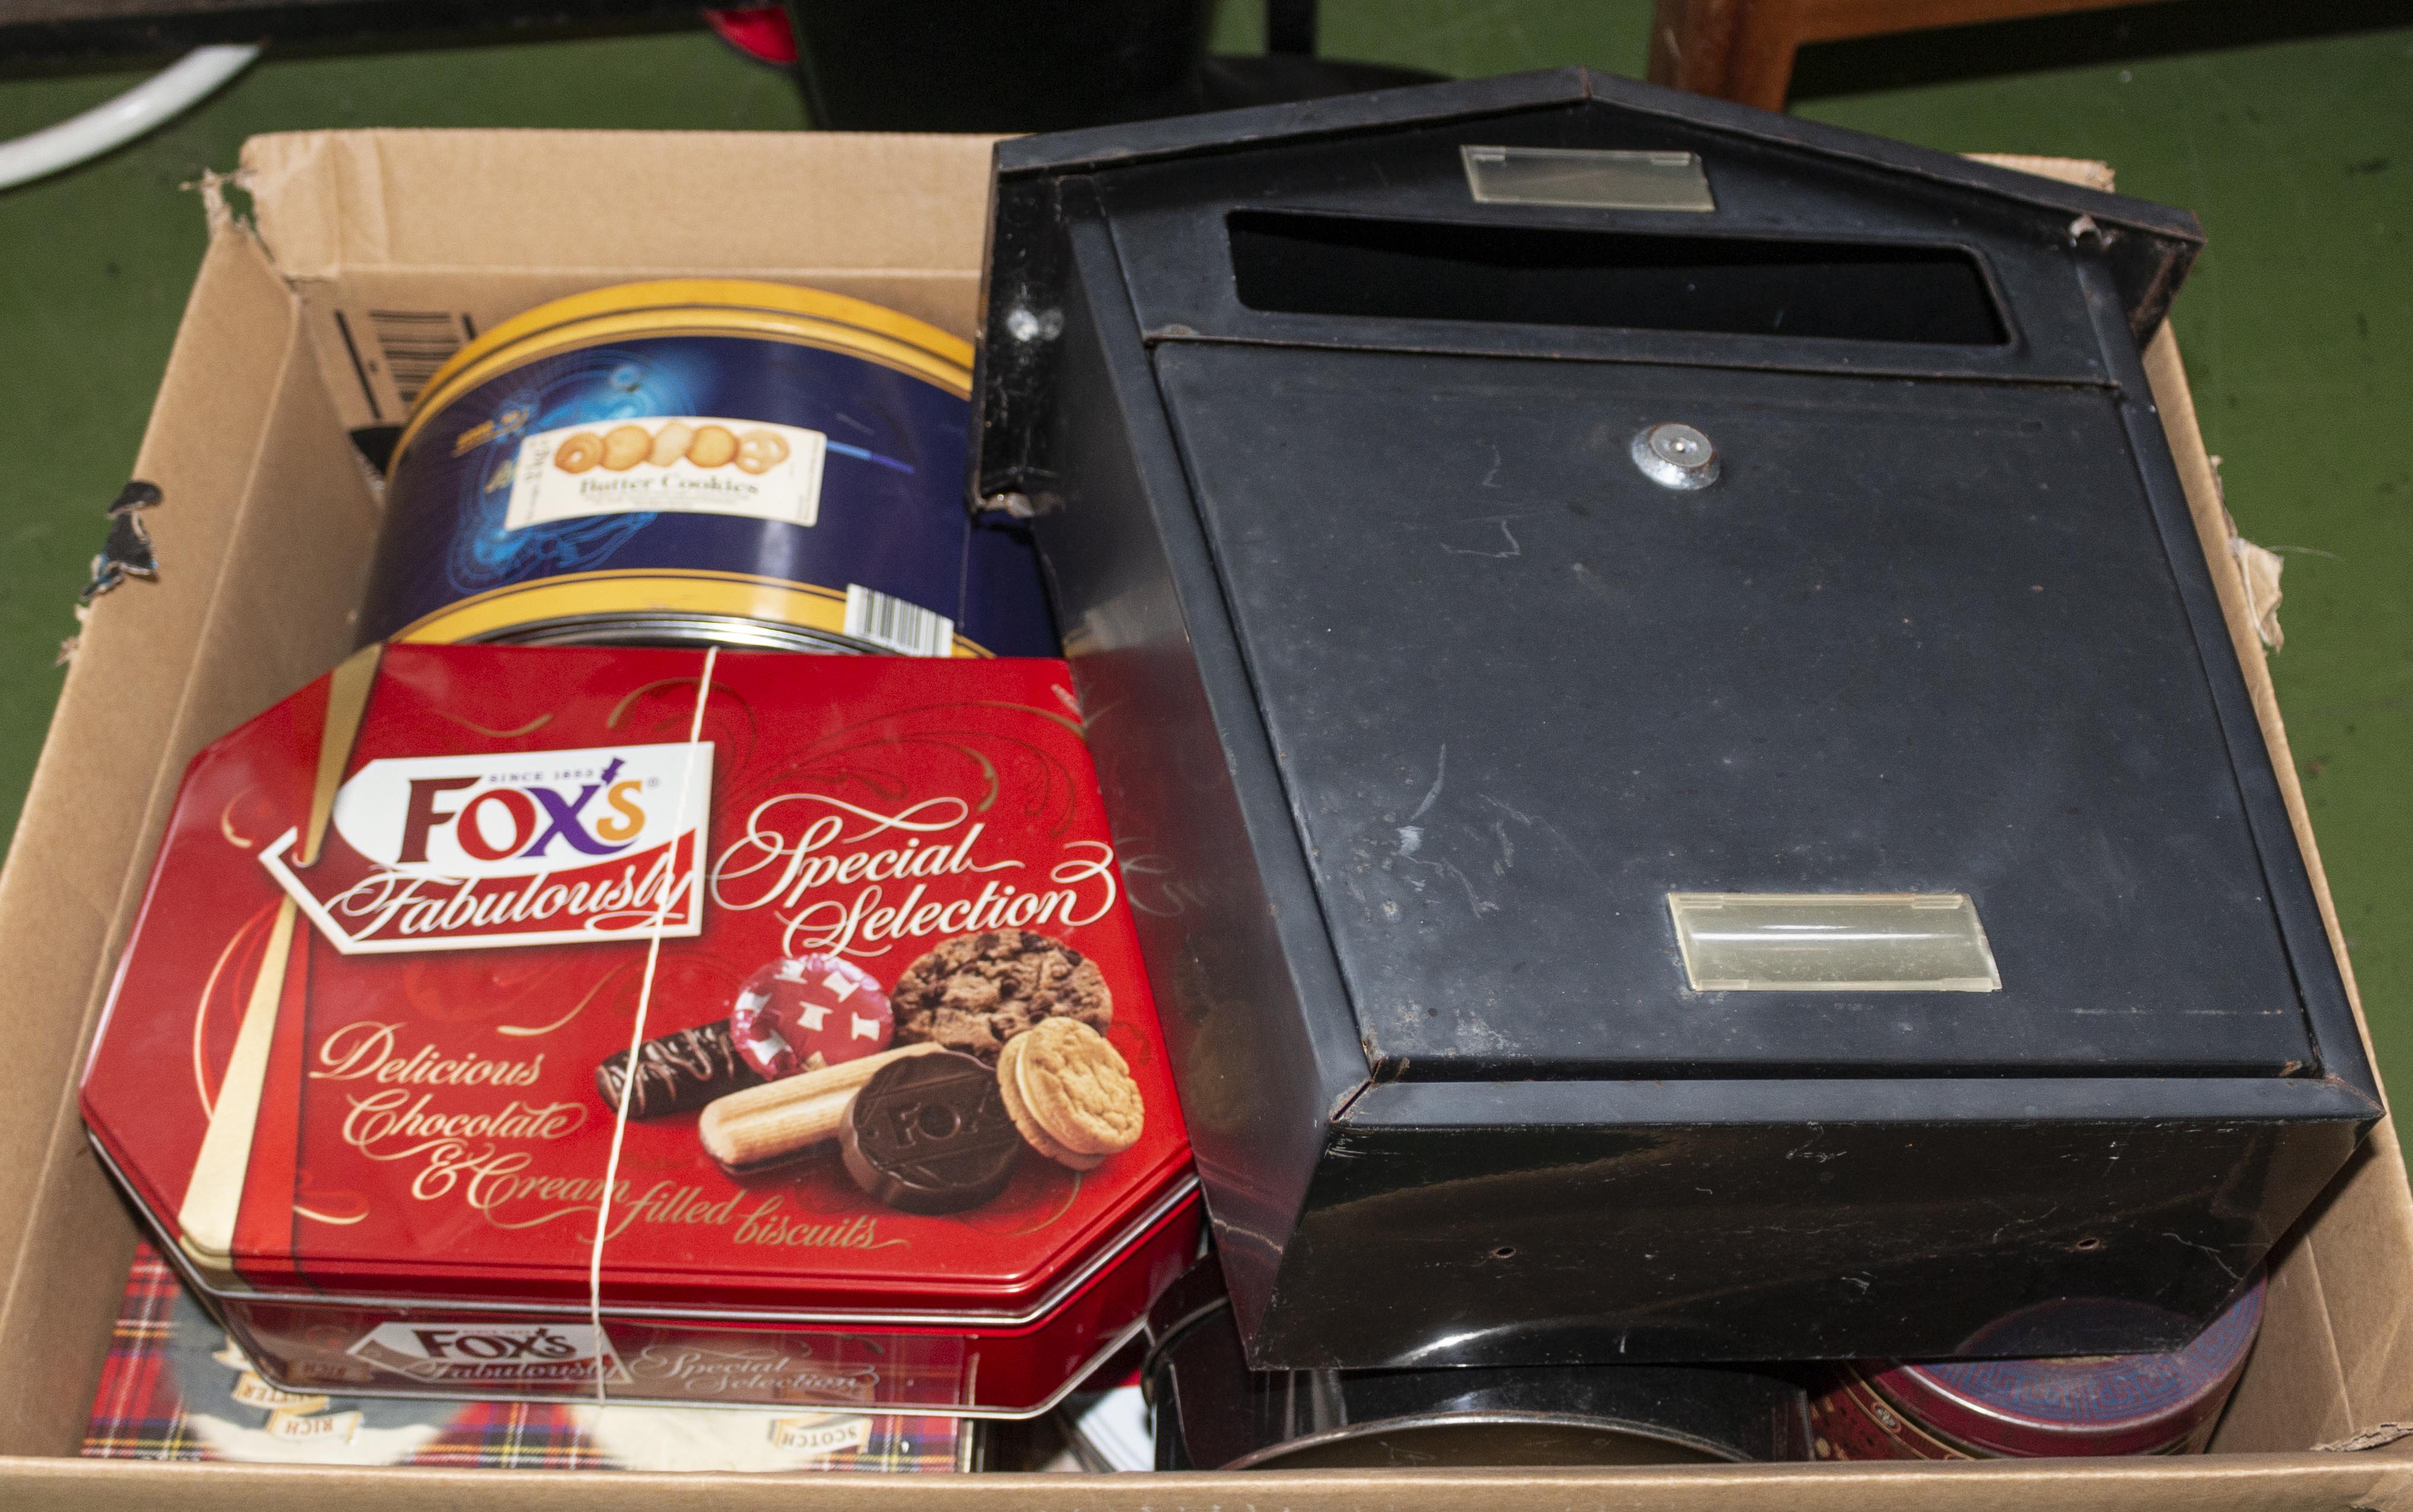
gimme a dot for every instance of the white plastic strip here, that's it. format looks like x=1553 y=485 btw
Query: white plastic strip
x=1586 y=178
x=1832 y=942
x=604 y=1356
x=115 y=122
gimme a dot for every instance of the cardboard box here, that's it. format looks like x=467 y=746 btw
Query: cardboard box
x=290 y=342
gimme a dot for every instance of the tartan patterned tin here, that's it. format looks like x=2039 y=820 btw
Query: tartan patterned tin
x=175 y=1388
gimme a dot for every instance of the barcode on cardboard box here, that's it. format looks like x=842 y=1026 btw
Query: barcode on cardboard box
x=903 y=627
x=414 y=343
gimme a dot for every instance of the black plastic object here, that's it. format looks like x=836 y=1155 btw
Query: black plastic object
x=1213 y=1413
x=1047 y=65
x=1016 y=65
x=1416 y=690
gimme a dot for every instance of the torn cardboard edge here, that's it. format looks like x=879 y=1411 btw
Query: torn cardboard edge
x=128 y=552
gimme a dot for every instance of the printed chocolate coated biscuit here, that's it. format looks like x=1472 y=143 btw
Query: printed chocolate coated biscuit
x=930 y=1134
x=678 y=1072
x=1076 y=1088
x=977 y=991
x=1034 y=1133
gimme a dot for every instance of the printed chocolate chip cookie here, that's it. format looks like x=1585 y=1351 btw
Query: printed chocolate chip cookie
x=977 y=991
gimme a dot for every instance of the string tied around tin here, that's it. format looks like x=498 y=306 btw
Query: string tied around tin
x=670 y=892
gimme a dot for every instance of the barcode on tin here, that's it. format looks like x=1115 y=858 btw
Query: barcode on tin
x=897 y=624
x=415 y=344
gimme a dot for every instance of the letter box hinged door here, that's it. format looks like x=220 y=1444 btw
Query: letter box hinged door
x=1627 y=640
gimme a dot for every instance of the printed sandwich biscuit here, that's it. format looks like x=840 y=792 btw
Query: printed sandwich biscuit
x=1070 y=1093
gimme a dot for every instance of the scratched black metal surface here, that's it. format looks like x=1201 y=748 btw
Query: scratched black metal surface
x=1918 y=638
x=1412 y=698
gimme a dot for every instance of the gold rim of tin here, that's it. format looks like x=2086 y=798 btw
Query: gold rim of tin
x=493 y=614
x=700 y=306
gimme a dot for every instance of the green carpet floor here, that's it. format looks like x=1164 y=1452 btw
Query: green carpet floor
x=2297 y=325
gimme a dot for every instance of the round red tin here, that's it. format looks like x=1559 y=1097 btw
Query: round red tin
x=400 y=922
x=2094 y=1404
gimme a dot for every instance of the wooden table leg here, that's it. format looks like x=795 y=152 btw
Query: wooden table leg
x=1744 y=50
x=1736 y=50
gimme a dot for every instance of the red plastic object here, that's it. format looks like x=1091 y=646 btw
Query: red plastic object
x=416 y=1204
x=762 y=33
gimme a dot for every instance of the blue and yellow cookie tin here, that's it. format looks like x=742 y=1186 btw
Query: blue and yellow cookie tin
x=701 y=462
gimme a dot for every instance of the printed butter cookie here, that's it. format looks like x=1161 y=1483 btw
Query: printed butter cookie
x=1075 y=1088
x=578 y=453
x=977 y=991
x=759 y=451
x=625 y=446
x=713 y=447
x=671 y=443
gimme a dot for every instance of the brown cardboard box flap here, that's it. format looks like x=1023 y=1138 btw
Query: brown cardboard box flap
x=698 y=203
x=405 y=244
x=2197 y=1484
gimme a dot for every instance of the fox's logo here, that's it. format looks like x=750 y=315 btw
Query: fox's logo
x=534 y=847
x=499 y=823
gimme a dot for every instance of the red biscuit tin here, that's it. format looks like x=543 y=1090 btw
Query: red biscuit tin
x=366 y=1058
x=2090 y=1405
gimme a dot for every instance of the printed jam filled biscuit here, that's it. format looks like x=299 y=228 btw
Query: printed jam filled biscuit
x=578 y=453
x=792 y=1010
x=1071 y=1093
x=671 y=443
x=759 y=451
x=977 y=991
x=713 y=447
x=625 y=446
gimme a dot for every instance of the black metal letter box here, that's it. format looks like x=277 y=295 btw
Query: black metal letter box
x=1685 y=784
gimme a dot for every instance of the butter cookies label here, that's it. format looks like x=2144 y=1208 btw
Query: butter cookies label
x=672 y=465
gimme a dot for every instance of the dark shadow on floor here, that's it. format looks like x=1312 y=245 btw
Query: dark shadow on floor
x=107 y=41
x=2122 y=34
